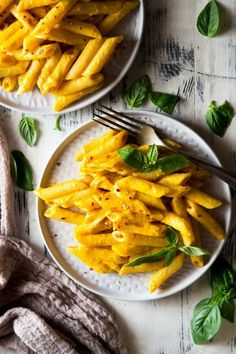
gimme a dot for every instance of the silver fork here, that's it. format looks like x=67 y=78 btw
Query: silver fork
x=145 y=134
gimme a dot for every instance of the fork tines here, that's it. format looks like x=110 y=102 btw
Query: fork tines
x=116 y=120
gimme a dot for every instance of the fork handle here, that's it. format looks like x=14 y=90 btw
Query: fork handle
x=226 y=176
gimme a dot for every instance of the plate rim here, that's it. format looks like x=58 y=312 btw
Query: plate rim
x=57 y=151
x=93 y=97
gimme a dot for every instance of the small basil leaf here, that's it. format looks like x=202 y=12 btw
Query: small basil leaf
x=172 y=236
x=206 y=321
x=152 y=154
x=227 y=309
x=208 y=21
x=57 y=123
x=222 y=277
x=138 y=92
x=193 y=251
x=28 y=130
x=219 y=118
x=24 y=176
x=170 y=256
x=151 y=258
x=171 y=163
x=133 y=157
x=165 y=101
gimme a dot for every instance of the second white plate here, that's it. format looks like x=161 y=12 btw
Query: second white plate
x=132 y=29
x=58 y=236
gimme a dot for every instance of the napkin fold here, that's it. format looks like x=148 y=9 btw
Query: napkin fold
x=42 y=310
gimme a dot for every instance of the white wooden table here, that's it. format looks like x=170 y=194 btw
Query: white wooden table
x=178 y=59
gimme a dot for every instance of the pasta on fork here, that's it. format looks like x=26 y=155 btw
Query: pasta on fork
x=132 y=217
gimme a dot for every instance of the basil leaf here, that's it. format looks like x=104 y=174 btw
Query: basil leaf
x=219 y=118
x=223 y=279
x=24 y=175
x=193 y=251
x=170 y=256
x=133 y=157
x=58 y=123
x=138 y=92
x=171 y=163
x=227 y=309
x=152 y=154
x=28 y=130
x=151 y=258
x=172 y=236
x=165 y=101
x=206 y=321
x=208 y=21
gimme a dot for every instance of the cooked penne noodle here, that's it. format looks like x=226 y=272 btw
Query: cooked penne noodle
x=82 y=83
x=64 y=101
x=9 y=83
x=24 y=17
x=96 y=8
x=205 y=219
x=159 y=277
x=197 y=261
x=126 y=250
x=102 y=56
x=96 y=240
x=60 y=189
x=181 y=224
x=47 y=69
x=61 y=69
x=203 y=199
x=113 y=19
x=31 y=76
x=146 y=229
x=139 y=185
x=85 y=58
x=151 y=201
x=31 y=4
x=80 y=27
x=64 y=215
x=175 y=179
x=64 y=36
x=42 y=52
x=13 y=70
x=139 y=240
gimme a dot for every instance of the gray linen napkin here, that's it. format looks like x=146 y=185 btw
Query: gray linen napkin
x=41 y=309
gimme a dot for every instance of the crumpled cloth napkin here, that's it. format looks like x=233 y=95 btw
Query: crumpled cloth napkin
x=41 y=309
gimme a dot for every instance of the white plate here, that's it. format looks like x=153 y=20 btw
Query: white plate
x=58 y=235
x=132 y=29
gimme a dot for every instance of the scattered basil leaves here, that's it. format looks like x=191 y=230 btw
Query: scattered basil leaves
x=24 y=174
x=138 y=92
x=208 y=21
x=206 y=321
x=170 y=256
x=57 y=123
x=28 y=130
x=172 y=236
x=206 y=318
x=164 y=101
x=219 y=118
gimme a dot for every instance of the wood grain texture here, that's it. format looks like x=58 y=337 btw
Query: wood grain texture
x=178 y=59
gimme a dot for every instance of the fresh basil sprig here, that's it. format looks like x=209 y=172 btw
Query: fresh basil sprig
x=168 y=253
x=165 y=101
x=28 y=130
x=219 y=118
x=23 y=171
x=138 y=92
x=208 y=21
x=206 y=318
x=150 y=161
